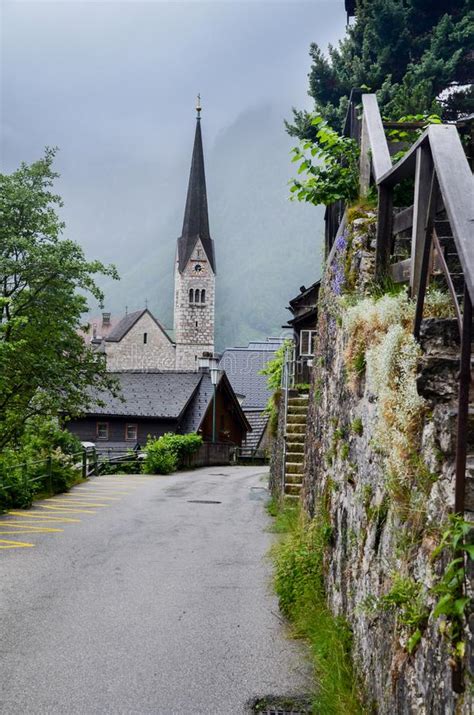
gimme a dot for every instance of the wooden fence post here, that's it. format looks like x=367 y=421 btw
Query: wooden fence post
x=423 y=182
x=384 y=231
x=49 y=463
x=364 y=162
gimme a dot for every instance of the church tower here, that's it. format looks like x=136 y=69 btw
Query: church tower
x=195 y=269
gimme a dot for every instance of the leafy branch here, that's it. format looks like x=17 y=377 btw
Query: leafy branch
x=330 y=167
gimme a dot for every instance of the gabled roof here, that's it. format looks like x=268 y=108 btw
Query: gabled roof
x=127 y=323
x=196 y=218
x=258 y=420
x=202 y=401
x=243 y=367
x=304 y=306
x=152 y=394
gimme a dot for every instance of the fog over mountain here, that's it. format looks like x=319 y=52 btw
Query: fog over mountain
x=114 y=84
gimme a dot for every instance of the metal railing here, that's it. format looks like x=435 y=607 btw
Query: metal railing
x=88 y=462
x=287 y=383
x=42 y=470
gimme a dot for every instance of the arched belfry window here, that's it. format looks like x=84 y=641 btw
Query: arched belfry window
x=196 y=295
x=203 y=296
x=191 y=295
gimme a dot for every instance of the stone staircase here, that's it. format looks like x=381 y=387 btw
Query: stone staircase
x=295 y=436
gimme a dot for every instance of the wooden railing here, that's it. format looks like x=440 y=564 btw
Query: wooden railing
x=443 y=182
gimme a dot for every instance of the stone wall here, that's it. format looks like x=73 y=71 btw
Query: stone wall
x=194 y=319
x=375 y=547
x=276 y=482
x=133 y=353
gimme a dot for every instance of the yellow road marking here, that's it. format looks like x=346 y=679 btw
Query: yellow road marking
x=27 y=531
x=113 y=489
x=44 y=517
x=64 y=509
x=98 y=496
x=26 y=527
x=14 y=544
x=75 y=503
x=103 y=495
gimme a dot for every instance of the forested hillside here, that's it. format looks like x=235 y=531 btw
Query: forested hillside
x=255 y=227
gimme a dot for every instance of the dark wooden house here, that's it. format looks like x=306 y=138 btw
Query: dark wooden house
x=304 y=310
x=152 y=403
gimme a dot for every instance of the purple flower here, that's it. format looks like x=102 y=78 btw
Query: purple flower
x=338 y=279
x=341 y=242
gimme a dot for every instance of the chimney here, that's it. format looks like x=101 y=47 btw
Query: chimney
x=105 y=318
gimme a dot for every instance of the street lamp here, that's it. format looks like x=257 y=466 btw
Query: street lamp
x=214 y=372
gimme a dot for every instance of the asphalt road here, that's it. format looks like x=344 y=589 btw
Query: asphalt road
x=144 y=601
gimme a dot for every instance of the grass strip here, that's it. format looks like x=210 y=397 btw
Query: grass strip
x=298 y=558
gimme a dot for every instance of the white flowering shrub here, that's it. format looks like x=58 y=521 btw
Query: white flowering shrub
x=367 y=322
x=381 y=344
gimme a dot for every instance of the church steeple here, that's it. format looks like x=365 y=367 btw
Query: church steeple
x=195 y=269
x=196 y=218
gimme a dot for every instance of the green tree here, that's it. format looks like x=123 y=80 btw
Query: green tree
x=408 y=51
x=45 y=366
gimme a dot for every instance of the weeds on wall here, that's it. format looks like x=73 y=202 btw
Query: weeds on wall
x=299 y=558
x=452 y=599
x=381 y=345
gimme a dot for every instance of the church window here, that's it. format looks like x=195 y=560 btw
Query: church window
x=102 y=430
x=196 y=295
x=191 y=295
x=203 y=296
x=145 y=338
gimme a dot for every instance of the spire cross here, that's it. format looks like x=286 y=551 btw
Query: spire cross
x=198 y=106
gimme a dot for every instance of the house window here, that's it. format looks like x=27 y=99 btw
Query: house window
x=145 y=338
x=191 y=295
x=131 y=432
x=203 y=296
x=102 y=430
x=307 y=340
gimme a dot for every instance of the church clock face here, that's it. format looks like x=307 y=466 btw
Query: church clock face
x=198 y=268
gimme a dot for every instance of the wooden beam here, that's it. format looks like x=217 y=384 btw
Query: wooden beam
x=364 y=162
x=423 y=255
x=403 y=220
x=463 y=405
x=457 y=188
x=381 y=161
x=423 y=186
x=400 y=272
x=404 y=168
x=384 y=232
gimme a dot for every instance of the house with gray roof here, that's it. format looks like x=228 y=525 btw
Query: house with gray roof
x=243 y=366
x=152 y=403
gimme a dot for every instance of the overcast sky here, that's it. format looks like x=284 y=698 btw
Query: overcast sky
x=113 y=85
x=119 y=78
